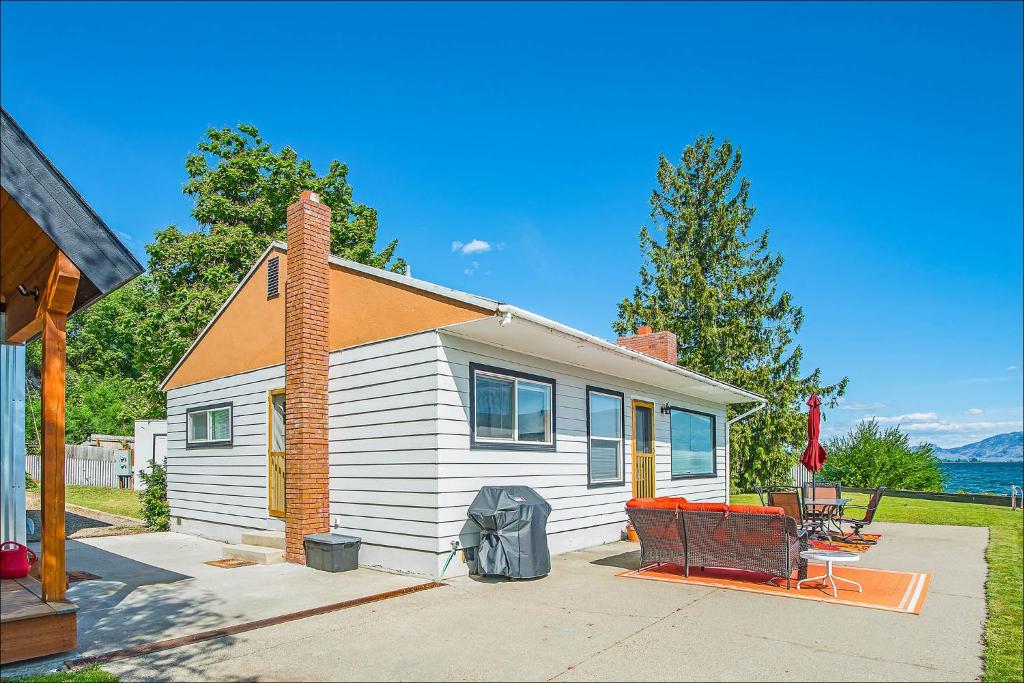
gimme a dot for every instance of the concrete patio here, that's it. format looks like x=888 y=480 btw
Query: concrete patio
x=580 y=623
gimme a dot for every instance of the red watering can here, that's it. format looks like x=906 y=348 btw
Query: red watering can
x=15 y=560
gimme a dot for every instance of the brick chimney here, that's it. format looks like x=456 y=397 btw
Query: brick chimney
x=660 y=345
x=306 y=470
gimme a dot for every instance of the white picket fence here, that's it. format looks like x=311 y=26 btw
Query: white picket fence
x=88 y=465
x=800 y=475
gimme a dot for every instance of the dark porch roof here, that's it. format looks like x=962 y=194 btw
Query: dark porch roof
x=56 y=207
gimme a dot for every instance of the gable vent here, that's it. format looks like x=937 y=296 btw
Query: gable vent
x=273 y=268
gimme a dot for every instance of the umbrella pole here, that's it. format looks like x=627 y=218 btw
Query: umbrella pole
x=814 y=498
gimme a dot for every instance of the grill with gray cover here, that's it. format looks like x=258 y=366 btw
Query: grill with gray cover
x=513 y=536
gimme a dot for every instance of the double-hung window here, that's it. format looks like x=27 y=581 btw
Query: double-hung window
x=605 y=426
x=693 y=444
x=209 y=426
x=511 y=409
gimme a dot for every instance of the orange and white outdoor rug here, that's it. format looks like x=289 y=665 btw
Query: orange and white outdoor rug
x=883 y=589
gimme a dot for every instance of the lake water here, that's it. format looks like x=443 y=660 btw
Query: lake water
x=980 y=477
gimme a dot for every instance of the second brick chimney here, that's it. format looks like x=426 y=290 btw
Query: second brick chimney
x=306 y=328
x=660 y=345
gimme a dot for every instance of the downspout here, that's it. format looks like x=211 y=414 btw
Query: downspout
x=728 y=447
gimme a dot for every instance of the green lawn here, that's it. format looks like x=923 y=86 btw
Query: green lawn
x=115 y=501
x=92 y=674
x=1004 y=590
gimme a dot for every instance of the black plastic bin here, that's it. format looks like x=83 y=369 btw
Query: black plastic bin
x=332 y=552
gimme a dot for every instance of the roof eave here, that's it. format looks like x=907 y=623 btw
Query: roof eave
x=53 y=203
x=742 y=395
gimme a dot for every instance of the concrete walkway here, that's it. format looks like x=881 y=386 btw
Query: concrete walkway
x=583 y=623
x=154 y=587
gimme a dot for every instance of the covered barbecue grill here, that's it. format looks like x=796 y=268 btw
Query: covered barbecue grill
x=513 y=539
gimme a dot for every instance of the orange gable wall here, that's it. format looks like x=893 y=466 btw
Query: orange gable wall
x=249 y=334
x=366 y=309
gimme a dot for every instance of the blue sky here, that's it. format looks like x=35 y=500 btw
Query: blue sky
x=883 y=143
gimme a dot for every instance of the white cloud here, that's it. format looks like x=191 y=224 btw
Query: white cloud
x=125 y=237
x=946 y=433
x=474 y=246
x=473 y=266
x=874 y=405
x=899 y=419
x=943 y=426
x=1011 y=368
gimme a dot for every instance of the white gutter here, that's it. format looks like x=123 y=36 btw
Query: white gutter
x=728 y=448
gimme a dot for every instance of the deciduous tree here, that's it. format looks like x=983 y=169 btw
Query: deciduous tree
x=125 y=344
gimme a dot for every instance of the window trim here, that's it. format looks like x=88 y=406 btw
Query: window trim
x=621 y=481
x=714 y=445
x=219 y=443
x=500 y=444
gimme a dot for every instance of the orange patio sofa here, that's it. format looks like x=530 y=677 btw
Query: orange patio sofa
x=749 y=537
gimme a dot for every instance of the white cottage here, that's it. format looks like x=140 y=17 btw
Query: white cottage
x=403 y=398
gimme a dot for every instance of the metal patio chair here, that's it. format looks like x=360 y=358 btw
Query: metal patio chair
x=858 y=524
x=764 y=492
x=789 y=501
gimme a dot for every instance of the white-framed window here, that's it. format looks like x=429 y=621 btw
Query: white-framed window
x=511 y=409
x=605 y=427
x=208 y=426
x=693 y=444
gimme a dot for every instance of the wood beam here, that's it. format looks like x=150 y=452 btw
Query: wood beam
x=25 y=313
x=55 y=302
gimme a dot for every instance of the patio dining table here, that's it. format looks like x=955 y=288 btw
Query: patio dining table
x=822 y=506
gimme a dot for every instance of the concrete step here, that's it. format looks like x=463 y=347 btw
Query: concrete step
x=253 y=553
x=267 y=539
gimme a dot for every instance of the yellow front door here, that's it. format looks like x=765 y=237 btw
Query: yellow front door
x=643 y=449
x=275 y=452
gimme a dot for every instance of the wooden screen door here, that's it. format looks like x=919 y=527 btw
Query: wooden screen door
x=643 y=449
x=275 y=452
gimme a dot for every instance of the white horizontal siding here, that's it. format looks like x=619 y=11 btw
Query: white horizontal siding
x=383 y=437
x=402 y=472
x=222 y=486
x=559 y=476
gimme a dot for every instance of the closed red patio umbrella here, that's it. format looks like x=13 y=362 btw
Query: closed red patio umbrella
x=814 y=455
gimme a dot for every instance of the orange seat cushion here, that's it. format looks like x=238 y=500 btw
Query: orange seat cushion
x=744 y=509
x=663 y=503
x=757 y=509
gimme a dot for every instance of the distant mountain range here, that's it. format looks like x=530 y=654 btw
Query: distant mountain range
x=1007 y=447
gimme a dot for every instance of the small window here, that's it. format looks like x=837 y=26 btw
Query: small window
x=693 y=444
x=604 y=434
x=273 y=276
x=209 y=426
x=511 y=409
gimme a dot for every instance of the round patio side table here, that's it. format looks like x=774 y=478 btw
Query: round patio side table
x=829 y=557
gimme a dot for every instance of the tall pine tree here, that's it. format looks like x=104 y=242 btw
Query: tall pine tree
x=713 y=282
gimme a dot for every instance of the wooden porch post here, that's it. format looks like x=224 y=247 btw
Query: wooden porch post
x=54 y=305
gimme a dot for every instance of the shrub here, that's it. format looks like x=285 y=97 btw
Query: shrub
x=30 y=483
x=869 y=457
x=155 y=508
